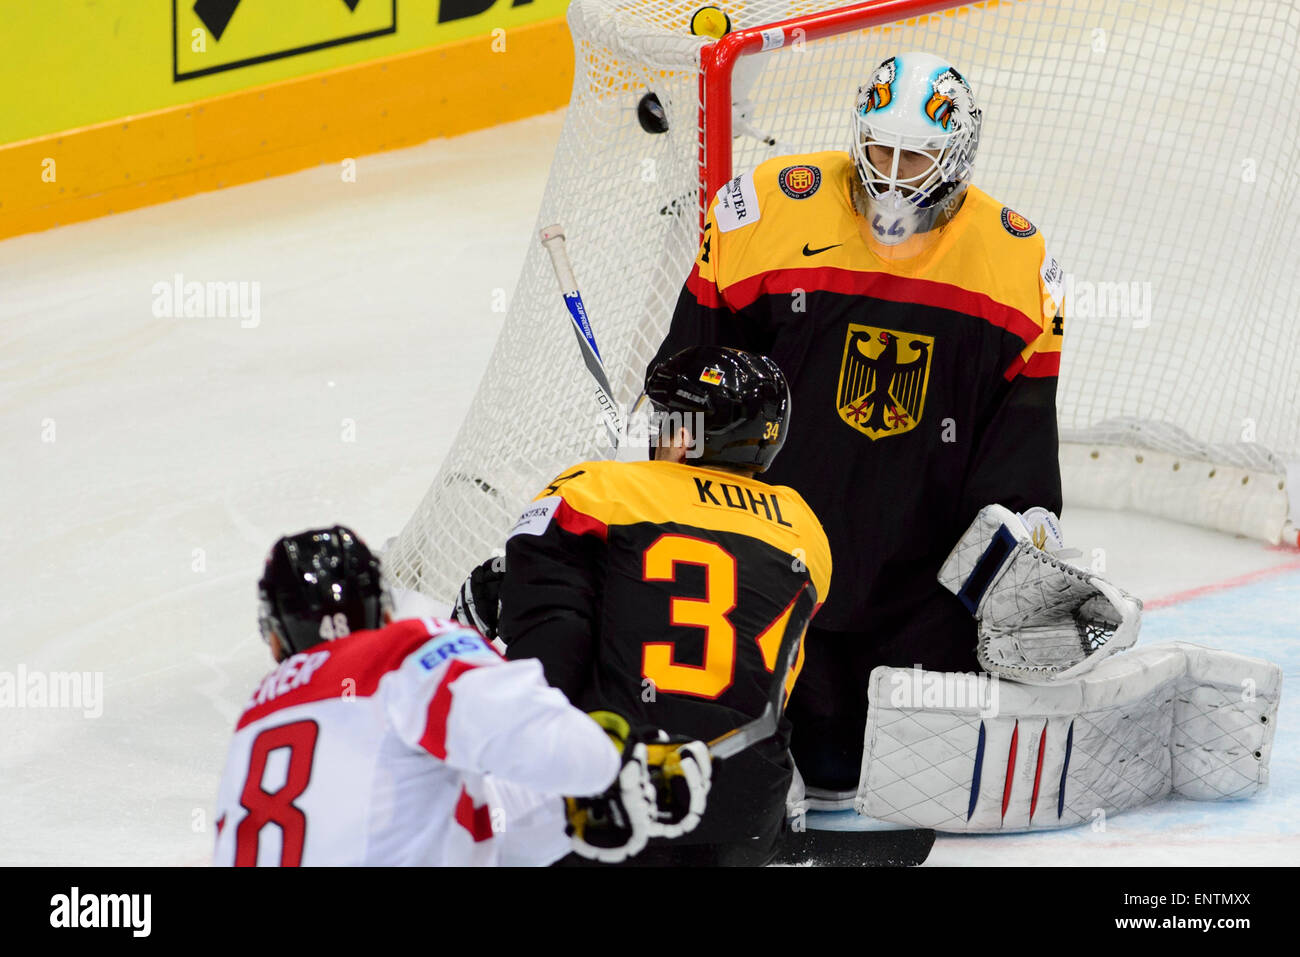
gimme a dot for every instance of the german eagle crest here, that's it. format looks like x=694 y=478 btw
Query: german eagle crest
x=883 y=379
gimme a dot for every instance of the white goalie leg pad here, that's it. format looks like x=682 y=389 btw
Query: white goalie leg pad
x=971 y=753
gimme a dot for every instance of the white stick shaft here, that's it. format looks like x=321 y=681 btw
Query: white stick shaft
x=553 y=240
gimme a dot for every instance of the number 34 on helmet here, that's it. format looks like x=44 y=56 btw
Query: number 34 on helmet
x=741 y=398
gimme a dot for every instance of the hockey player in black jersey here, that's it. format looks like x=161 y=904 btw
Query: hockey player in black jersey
x=663 y=589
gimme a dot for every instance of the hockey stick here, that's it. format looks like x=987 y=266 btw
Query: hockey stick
x=764 y=726
x=553 y=241
x=905 y=847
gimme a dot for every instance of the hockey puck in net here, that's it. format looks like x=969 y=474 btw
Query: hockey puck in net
x=650 y=113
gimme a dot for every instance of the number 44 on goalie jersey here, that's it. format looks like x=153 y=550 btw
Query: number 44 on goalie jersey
x=662 y=590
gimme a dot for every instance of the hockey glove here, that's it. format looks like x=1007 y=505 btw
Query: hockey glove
x=478 y=603
x=681 y=771
x=1041 y=619
x=615 y=825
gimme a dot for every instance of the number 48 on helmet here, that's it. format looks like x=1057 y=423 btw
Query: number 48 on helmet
x=320 y=585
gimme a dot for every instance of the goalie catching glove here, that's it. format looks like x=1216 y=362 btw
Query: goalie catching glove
x=1041 y=619
x=660 y=791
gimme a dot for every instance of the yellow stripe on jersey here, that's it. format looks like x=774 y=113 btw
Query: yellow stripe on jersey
x=658 y=493
x=814 y=239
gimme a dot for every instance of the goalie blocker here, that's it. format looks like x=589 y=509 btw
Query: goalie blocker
x=1075 y=728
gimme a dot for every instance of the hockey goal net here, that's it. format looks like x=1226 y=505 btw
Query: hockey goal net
x=1154 y=142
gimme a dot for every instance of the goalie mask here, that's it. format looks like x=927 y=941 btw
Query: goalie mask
x=915 y=133
x=320 y=585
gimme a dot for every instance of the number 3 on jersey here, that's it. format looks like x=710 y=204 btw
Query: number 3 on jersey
x=710 y=613
x=715 y=675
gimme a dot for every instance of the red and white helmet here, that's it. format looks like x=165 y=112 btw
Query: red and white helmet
x=914 y=102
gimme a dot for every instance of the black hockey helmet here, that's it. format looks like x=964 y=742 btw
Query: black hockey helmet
x=319 y=585
x=743 y=398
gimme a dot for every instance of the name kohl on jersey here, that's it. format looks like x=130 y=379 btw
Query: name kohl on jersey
x=714 y=492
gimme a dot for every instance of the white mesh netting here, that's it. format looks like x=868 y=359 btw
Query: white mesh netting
x=1154 y=143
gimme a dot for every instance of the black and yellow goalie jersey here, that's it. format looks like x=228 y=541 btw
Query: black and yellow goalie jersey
x=923 y=385
x=662 y=590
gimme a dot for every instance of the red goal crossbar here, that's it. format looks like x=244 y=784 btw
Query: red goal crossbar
x=719 y=58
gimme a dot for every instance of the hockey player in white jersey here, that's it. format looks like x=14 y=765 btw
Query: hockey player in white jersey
x=415 y=742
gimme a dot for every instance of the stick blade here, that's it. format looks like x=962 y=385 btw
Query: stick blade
x=907 y=847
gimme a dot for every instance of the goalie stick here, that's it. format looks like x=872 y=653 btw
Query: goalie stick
x=553 y=241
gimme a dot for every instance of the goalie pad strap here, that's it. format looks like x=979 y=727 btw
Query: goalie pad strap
x=969 y=753
x=986 y=568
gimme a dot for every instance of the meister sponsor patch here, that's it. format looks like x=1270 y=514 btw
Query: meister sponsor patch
x=537 y=516
x=737 y=204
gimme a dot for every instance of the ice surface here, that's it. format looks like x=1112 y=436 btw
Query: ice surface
x=181 y=448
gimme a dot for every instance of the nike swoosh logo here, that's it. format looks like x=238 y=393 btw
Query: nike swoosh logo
x=814 y=252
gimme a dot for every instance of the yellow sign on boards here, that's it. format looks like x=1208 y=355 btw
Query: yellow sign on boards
x=66 y=64
x=211 y=36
